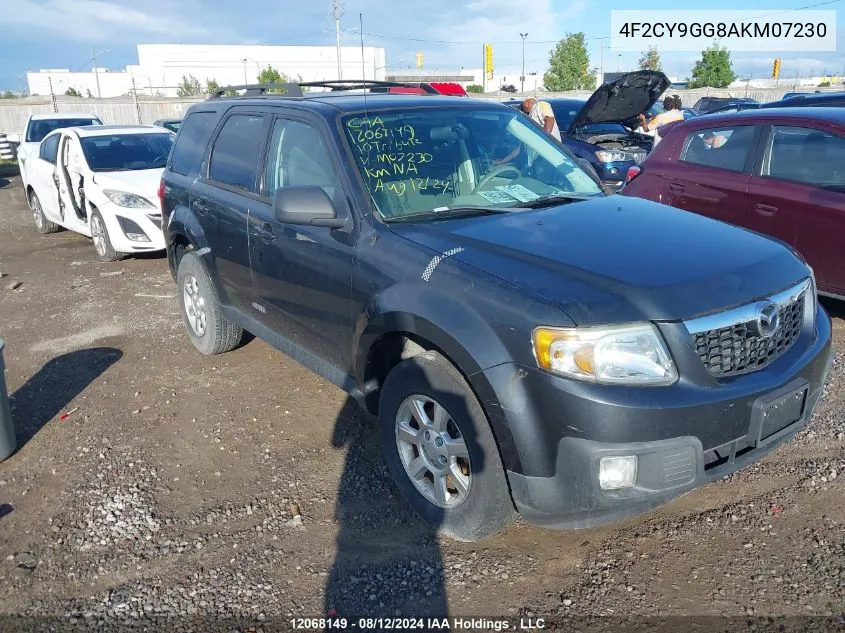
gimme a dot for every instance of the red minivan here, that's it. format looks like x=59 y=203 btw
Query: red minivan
x=780 y=172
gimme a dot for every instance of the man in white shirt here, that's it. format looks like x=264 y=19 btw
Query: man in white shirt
x=541 y=112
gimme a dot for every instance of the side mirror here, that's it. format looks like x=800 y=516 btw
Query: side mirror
x=305 y=205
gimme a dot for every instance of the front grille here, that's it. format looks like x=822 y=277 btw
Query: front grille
x=736 y=348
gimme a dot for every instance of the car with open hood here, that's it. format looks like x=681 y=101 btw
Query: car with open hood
x=101 y=181
x=526 y=343
x=601 y=130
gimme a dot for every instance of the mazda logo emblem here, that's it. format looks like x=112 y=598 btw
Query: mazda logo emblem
x=768 y=319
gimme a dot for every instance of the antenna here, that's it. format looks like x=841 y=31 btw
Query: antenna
x=363 y=66
x=337 y=13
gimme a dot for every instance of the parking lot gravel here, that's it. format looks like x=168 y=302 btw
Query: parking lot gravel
x=157 y=489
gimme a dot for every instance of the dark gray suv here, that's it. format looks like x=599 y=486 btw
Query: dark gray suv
x=527 y=343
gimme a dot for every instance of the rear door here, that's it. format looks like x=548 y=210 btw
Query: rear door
x=41 y=173
x=799 y=196
x=221 y=198
x=712 y=174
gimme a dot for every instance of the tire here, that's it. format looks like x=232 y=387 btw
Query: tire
x=42 y=224
x=100 y=237
x=209 y=330
x=484 y=506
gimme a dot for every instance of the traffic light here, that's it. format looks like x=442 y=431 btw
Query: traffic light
x=488 y=60
x=419 y=60
x=776 y=68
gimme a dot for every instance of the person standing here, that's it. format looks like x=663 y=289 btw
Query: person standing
x=541 y=113
x=671 y=114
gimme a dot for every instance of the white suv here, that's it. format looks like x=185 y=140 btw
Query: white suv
x=40 y=125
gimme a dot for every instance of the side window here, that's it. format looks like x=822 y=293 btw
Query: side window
x=50 y=149
x=298 y=157
x=236 y=151
x=190 y=146
x=805 y=155
x=724 y=148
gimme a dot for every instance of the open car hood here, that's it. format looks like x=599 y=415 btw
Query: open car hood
x=622 y=99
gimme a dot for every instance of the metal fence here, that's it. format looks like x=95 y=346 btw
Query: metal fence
x=118 y=111
x=145 y=110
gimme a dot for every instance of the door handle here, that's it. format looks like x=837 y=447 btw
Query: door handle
x=673 y=186
x=766 y=209
x=266 y=232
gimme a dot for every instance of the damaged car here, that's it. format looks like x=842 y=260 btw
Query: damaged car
x=602 y=130
x=102 y=182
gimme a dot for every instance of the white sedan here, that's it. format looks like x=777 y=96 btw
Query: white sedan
x=101 y=181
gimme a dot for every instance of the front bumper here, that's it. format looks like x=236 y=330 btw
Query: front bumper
x=147 y=219
x=683 y=436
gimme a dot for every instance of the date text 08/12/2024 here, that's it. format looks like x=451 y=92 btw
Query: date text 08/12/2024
x=410 y=624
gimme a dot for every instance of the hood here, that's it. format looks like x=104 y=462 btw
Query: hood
x=616 y=260
x=621 y=99
x=142 y=182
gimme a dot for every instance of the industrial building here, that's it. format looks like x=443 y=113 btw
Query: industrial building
x=161 y=67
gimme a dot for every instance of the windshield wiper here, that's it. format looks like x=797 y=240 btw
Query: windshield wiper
x=450 y=213
x=552 y=199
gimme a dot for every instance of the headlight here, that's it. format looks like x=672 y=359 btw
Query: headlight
x=623 y=355
x=613 y=156
x=129 y=200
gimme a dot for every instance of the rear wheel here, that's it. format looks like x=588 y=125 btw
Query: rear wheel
x=209 y=330
x=42 y=224
x=440 y=450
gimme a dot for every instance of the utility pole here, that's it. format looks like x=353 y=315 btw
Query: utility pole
x=522 y=78
x=246 y=81
x=337 y=13
x=96 y=72
x=601 y=64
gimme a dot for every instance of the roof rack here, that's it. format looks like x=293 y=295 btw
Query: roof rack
x=252 y=90
x=293 y=90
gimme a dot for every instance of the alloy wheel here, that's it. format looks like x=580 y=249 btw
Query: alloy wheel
x=194 y=305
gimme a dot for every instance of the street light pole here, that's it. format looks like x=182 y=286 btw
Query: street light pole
x=522 y=78
x=246 y=81
x=337 y=13
x=96 y=72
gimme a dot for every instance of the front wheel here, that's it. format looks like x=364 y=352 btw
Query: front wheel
x=100 y=237
x=440 y=449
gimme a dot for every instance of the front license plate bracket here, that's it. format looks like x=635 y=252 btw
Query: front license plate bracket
x=775 y=413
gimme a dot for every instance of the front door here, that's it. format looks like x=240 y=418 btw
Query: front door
x=221 y=202
x=799 y=197
x=69 y=179
x=714 y=178
x=302 y=274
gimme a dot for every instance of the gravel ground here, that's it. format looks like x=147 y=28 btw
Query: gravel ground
x=155 y=489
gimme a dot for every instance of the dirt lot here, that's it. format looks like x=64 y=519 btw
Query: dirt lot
x=242 y=486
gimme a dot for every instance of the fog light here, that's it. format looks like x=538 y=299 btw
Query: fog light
x=617 y=472
x=137 y=237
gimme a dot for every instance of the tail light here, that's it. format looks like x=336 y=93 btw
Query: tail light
x=161 y=195
x=633 y=172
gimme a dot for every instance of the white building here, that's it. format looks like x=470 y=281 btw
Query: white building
x=161 y=67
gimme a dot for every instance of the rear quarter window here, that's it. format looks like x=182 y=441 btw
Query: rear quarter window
x=722 y=148
x=190 y=144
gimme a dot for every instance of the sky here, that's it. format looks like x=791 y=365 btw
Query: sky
x=65 y=33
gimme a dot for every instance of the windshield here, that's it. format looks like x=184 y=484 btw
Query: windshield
x=38 y=129
x=127 y=152
x=419 y=161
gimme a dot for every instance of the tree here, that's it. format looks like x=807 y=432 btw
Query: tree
x=651 y=60
x=88 y=94
x=8 y=95
x=72 y=92
x=270 y=75
x=211 y=85
x=507 y=88
x=189 y=87
x=475 y=89
x=713 y=70
x=569 y=66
